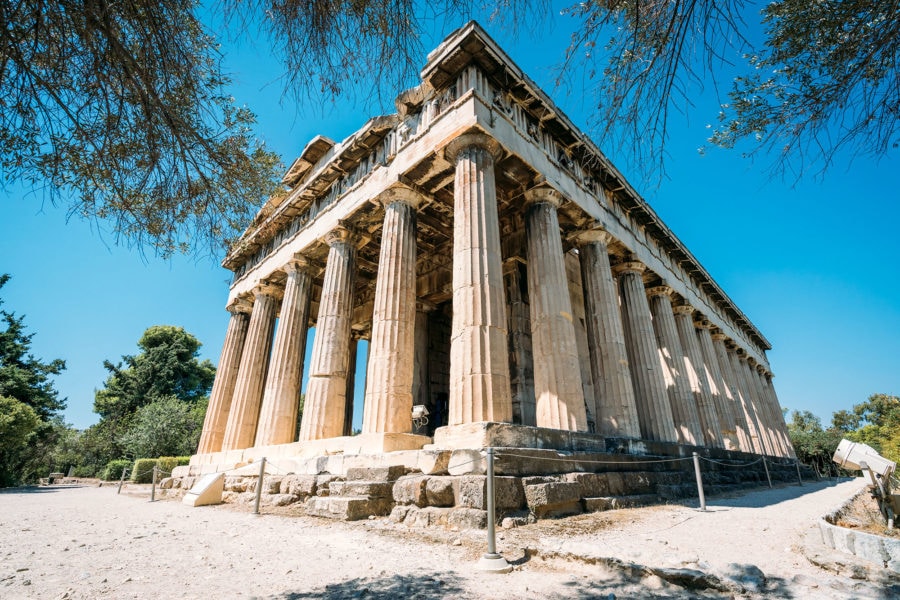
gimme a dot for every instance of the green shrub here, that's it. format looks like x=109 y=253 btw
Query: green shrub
x=113 y=469
x=143 y=470
x=167 y=463
x=85 y=471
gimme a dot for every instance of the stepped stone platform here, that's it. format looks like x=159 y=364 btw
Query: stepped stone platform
x=539 y=473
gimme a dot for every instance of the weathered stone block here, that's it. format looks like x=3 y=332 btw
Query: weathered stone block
x=411 y=489
x=323 y=483
x=467 y=518
x=592 y=484
x=470 y=491
x=637 y=482
x=616 y=484
x=348 y=509
x=167 y=483
x=399 y=512
x=389 y=474
x=427 y=517
x=272 y=484
x=235 y=484
x=299 y=485
x=366 y=489
x=282 y=499
x=439 y=491
x=553 y=499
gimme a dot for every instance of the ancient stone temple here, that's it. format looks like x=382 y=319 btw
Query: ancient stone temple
x=506 y=277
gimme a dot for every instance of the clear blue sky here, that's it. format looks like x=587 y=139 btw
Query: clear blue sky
x=814 y=265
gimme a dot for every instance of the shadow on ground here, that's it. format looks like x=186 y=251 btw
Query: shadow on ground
x=763 y=496
x=597 y=583
x=40 y=489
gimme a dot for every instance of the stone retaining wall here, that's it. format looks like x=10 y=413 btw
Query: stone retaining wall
x=875 y=548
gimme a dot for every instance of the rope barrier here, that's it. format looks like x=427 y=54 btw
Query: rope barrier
x=591 y=462
x=724 y=464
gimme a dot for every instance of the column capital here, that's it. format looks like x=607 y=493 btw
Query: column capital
x=401 y=194
x=240 y=305
x=297 y=264
x=659 y=290
x=683 y=309
x=632 y=266
x=704 y=323
x=543 y=195
x=473 y=138
x=338 y=235
x=592 y=235
x=267 y=289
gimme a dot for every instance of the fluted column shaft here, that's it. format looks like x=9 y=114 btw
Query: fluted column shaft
x=389 y=379
x=671 y=359
x=744 y=435
x=654 y=410
x=557 y=370
x=281 y=398
x=226 y=376
x=697 y=377
x=772 y=412
x=746 y=401
x=241 y=429
x=326 y=392
x=479 y=356
x=718 y=388
x=617 y=411
x=770 y=391
x=759 y=409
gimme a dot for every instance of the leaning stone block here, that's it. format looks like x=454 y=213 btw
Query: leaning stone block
x=411 y=490
x=206 y=491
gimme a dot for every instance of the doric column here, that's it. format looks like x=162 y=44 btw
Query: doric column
x=654 y=410
x=763 y=426
x=240 y=432
x=521 y=364
x=723 y=356
x=281 y=398
x=352 y=354
x=618 y=416
x=740 y=382
x=389 y=377
x=718 y=387
x=479 y=357
x=326 y=392
x=770 y=391
x=768 y=410
x=226 y=377
x=693 y=366
x=557 y=371
x=671 y=359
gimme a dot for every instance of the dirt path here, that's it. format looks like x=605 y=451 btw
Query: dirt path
x=88 y=542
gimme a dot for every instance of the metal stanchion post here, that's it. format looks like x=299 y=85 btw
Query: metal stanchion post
x=491 y=561
x=699 y=482
x=766 y=467
x=799 y=478
x=153 y=486
x=259 y=484
x=122 y=480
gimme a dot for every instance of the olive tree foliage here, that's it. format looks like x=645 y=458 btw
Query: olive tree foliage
x=120 y=111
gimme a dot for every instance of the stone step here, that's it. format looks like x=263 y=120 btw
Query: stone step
x=364 y=489
x=346 y=508
x=383 y=474
x=614 y=502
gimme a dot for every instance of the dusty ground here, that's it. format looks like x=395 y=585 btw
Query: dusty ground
x=89 y=542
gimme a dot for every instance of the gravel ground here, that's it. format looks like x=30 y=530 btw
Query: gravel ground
x=89 y=542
